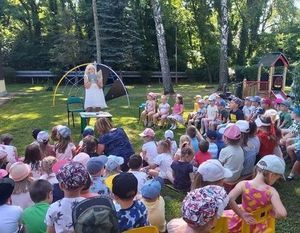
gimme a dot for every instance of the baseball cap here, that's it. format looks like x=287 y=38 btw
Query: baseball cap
x=286 y=103
x=243 y=126
x=3 y=173
x=124 y=185
x=42 y=136
x=266 y=101
x=82 y=158
x=255 y=99
x=64 y=131
x=19 y=171
x=237 y=100
x=272 y=113
x=232 y=132
x=3 y=154
x=221 y=103
x=272 y=163
x=169 y=134
x=151 y=189
x=73 y=175
x=202 y=205
x=212 y=170
x=95 y=164
x=7 y=186
x=113 y=162
x=147 y=133
x=211 y=134
x=89 y=130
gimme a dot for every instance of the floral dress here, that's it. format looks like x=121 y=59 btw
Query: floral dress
x=252 y=199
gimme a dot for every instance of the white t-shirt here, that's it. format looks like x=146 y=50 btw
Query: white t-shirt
x=51 y=178
x=67 y=154
x=11 y=153
x=174 y=147
x=151 y=151
x=247 y=110
x=22 y=199
x=164 y=108
x=141 y=177
x=232 y=157
x=164 y=162
x=10 y=218
x=212 y=112
x=59 y=214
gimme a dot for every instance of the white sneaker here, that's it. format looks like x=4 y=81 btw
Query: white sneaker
x=174 y=127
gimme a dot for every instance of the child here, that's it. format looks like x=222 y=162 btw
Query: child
x=210 y=172
x=33 y=217
x=257 y=193
x=3 y=159
x=35 y=133
x=132 y=214
x=235 y=113
x=255 y=107
x=85 y=191
x=5 y=144
x=72 y=177
x=33 y=157
x=162 y=112
x=135 y=164
x=211 y=114
x=46 y=167
x=199 y=115
x=162 y=162
x=95 y=167
x=82 y=158
x=285 y=116
x=182 y=170
x=232 y=156
x=113 y=168
x=200 y=209
x=177 y=115
x=202 y=155
x=169 y=135
x=87 y=132
x=89 y=146
x=154 y=203
x=54 y=133
x=192 y=114
x=149 y=148
x=64 y=148
x=195 y=137
x=21 y=174
x=266 y=104
x=10 y=214
x=223 y=113
x=211 y=137
x=247 y=110
x=183 y=141
x=45 y=147
x=146 y=115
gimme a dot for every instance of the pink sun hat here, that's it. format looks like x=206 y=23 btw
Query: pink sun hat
x=82 y=158
x=19 y=171
x=233 y=132
x=59 y=164
x=147 y=133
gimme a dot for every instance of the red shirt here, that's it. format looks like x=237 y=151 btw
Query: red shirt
x=201 y=157
x=267 y=143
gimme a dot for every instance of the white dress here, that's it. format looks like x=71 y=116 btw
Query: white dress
x=94 y=96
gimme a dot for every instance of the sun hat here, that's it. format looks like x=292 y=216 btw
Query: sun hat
x=152 y=94
x=3 y=173
x=212 y=97
x=64 y=131
x=42 y=136
x=286 y=103
x=3 y=154
x=169 y=134
x=223 y=128
x=256 y=99
x=7 y=186
x=124 y=185
x=262 y=121
x=73 y=175
x=273 y=114
x=59 y=164
x=151 y=189
x=201 y=205
x=147 y=133
x=197 y=96
x=205 y=97
x=272 y=163
x=95 y=164
x=211 y=134
x=212 y=170
x=19 y=171
x=266 y=101
x=232 y=132
x=243 y=126
x=237 y=101
x=113 y=162
x=82 y=158
x=89 y=130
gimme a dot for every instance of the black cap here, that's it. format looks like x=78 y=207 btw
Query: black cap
x=35 y=132
x=7 y=186
x=125 y=185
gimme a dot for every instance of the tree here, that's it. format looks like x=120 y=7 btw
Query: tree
x=296 y=85
x=161 y=42
x=97 y=34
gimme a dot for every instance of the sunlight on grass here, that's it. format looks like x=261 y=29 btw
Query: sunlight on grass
x=23 y=116
x=34 y=89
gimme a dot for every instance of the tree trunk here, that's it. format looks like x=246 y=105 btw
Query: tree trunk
x=223 y=69
x=163 y=57
x=97 y=34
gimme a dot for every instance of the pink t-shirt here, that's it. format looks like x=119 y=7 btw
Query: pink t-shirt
x=67 y=154
x=177 y=108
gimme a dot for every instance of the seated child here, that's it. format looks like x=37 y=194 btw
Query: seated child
x=89 y=146
x=211 y=114
x=235 y=113
x=149 y=148
x=195 y=137
x=46 y=166
x=135 y=164
x=201 y=113
x=285 y=116
x=45 y=147
x=255 y=107
x=183 y=169
x=257 y=193
x=88 y=131
x=183 y=141
x=3 y=159
x=85 y=191
x=169 y=135
x=200 y=209
x=154 y=203
x=177 y=114
x=132 y=214
x=149 y=111
x=232 y=156
x=64 y=148
x=72 y=177
x=112 y=168
x=33 y=217
x=33 y=157
x=10 y=214
x=162 y=112
x=247 y=110
x=223 y=114
x=21 y=174
x=192 y=114
x=5 y=144
x=96 y=169
x=202 y=155
x=211 y=137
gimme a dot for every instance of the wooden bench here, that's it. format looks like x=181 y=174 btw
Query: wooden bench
x=157 y=75
x=37 y=74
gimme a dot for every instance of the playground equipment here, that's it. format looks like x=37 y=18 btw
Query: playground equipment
x=269 y=84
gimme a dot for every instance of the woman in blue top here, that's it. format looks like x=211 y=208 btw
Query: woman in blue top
x=113 y=141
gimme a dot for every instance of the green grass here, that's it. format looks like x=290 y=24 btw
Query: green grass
x=31 y=107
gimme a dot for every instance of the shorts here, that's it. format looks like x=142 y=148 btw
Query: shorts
x=298 y=156
x=176 y=117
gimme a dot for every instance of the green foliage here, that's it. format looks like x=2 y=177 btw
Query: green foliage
x=296 y=85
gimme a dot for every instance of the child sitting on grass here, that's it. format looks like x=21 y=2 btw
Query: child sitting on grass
x=202 y=155
x=46 y=167
x=195 y=137
x=285 y=116
x=154 y=203
x=169 y=135
x=192 y=114
x=89 y=146
x=149 y=148
x=257 y=193
x=199 y=115
x=162 y=112
x=45 y=147
x=33 y=157
x=5 y=144
x=33 y=217
x=177 y=114
x=135 y=164
x=247 y=109
x=64 y=148
x=211 y=137
x=183 y=141
x=149 y=111
x=133 y=214
x=112 y=168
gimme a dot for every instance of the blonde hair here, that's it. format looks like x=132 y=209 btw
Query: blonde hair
x=103 y=125
x=87 y=68
x=23 y=185
x=165 y=144
x=47 y=164
x=184 y=138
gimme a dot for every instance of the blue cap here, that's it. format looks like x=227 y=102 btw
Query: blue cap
x=64 y=131
x=296 y=110
x=255 y=99
x=95 y=164
x=151 y=189
x=221 y=103
x=211 y=134
x=88 y=131
x=114 y=162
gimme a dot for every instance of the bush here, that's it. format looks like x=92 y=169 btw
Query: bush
x=9 y=74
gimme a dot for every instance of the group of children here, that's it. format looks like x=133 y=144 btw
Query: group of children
x=235 y=144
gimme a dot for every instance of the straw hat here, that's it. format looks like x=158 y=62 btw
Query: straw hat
x=19 y=171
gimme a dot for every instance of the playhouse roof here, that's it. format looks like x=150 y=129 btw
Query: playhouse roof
x=274 y=59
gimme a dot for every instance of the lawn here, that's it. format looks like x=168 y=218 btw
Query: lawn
x=31 y=107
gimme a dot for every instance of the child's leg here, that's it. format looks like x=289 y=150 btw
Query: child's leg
x=150 y=117
x=143 y=115
x=291 y=152
x=296 y=167
x=163 y=119
x=155 y=118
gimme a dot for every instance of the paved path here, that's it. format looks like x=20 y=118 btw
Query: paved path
x=6 y=98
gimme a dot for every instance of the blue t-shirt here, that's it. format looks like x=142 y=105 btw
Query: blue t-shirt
x=117 y=143
x=182 y=170
x=213 y=150
x=98 y=185
x=195 y=144
x=133 y=217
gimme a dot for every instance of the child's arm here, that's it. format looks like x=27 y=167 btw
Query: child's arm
x=283 y=124
x=50 y=229
x=181 y=109
x=87 y=84
x=278 y=207
x=233 y=195
x=199 y=135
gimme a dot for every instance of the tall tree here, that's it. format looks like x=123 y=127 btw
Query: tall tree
x=162 y=49
x=97 y=32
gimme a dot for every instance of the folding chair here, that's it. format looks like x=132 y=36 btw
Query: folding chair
x=74 y=104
